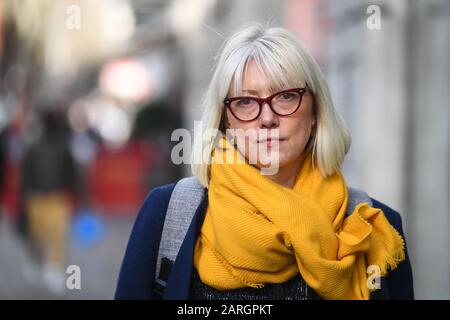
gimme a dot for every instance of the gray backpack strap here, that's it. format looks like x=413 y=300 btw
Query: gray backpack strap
x=184 y=201
x=355 y=197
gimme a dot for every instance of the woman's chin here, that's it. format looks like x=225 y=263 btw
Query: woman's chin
x=272 y=163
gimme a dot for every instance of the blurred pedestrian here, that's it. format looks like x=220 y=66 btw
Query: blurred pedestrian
x=49 y=180
x=3 y=158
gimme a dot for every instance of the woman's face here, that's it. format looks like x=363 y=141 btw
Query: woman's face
x=293 y=130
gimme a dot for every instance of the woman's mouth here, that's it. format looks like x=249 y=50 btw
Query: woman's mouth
x=270 y=142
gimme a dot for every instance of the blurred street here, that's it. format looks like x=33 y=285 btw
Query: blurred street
x=99 y=264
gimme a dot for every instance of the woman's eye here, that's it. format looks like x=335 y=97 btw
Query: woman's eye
x=287 y=96
x=245 y=102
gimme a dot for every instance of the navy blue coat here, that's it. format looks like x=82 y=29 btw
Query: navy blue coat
x=137 y=273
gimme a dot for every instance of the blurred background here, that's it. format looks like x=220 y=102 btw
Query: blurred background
x=90 y=92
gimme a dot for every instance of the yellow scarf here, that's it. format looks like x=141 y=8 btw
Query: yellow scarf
x=256 y=231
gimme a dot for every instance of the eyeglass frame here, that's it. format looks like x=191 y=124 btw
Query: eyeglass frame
x=227 y=102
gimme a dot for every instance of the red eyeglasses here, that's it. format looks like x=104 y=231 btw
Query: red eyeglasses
x=283 y=103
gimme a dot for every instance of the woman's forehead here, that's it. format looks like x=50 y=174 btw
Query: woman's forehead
x=255 y=80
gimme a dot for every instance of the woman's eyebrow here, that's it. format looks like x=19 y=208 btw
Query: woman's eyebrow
x=250 y=91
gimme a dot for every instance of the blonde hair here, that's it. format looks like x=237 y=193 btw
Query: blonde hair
x=287 y=63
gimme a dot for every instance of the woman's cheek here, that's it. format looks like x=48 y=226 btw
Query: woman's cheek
x=294 y=147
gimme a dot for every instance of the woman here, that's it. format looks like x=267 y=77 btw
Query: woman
x=276 y=219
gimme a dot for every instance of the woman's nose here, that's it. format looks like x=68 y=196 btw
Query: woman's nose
x=267 y=118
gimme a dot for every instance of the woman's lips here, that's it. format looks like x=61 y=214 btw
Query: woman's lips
x=270 y=142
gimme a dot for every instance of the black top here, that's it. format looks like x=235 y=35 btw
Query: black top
x=293 y=289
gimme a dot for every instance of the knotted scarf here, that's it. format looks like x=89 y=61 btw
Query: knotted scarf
x=257 y=231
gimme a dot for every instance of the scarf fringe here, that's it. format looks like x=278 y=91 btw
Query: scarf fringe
x=392 y=262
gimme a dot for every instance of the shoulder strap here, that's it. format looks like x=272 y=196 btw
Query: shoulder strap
x=184 y=201
x=355 y=197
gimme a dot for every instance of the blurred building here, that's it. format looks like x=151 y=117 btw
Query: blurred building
x=391 y=85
